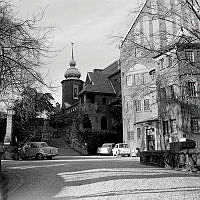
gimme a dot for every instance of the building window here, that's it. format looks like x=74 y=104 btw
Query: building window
x=192 y=89
x=173 y=126
x=189 y=55
x=152 y=74
x=91 y=98
x=195 y=125
x=145 y=78
x=138 y=133
x=169 y=60
x=128 y=129
x=129 y=80
x=171 y=91
x=129 y=105
x=75 y=91
x=162 y=64
x=138 y=105
x=137 y=79
x=128 y=135
x=163 y=93
x=146 y=104
x=82 y=99
x=198 y=55
x=103 y=123
x=104 y=101
x=135 y=51
x=165 y=128
x=132 y=135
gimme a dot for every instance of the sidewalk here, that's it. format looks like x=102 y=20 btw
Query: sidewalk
x=9 y=183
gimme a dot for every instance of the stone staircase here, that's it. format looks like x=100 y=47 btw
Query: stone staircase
x=64 y=148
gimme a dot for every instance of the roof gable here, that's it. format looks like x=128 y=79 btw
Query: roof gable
x=135 y=21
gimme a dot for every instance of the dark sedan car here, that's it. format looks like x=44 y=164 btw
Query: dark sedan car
x=38 y=150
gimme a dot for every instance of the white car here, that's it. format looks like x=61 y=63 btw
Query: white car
x=106 y=149
x=121 y=149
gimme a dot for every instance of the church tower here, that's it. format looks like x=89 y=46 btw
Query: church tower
x=72 y=84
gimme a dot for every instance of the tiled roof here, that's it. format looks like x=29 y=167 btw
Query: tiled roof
x=100 y=84
x=111 y=69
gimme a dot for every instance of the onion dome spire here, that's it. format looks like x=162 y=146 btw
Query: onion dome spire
x=72 y=72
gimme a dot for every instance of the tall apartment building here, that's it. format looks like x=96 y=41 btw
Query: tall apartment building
x=147 y=47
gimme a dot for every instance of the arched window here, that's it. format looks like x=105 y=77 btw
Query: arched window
x=103 y=123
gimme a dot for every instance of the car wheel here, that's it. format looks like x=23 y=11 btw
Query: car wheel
x=39 y=156
x=49 y=157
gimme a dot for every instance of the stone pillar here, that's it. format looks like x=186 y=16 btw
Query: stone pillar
x=9 y=125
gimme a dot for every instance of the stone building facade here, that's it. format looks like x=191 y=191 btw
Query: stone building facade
x=102 y=86
x=145 y=40
x=178 y=93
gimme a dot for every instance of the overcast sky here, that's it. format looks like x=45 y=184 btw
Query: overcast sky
x=87 y=23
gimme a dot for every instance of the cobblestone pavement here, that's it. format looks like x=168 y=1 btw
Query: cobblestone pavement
x=129 y=183
x=100 y=178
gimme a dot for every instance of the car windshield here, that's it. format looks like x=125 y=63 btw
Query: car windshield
x=107 y=145
x=123 y=145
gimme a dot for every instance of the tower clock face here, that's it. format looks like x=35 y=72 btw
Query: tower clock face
x=75 y=91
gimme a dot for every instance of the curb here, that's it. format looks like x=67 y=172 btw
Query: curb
x=3 y=186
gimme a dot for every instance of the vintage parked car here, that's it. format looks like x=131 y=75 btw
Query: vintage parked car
x=106 y=149
x=38 y=150
x=121 y=149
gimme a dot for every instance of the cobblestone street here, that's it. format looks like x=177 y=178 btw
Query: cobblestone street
x=84 y=177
